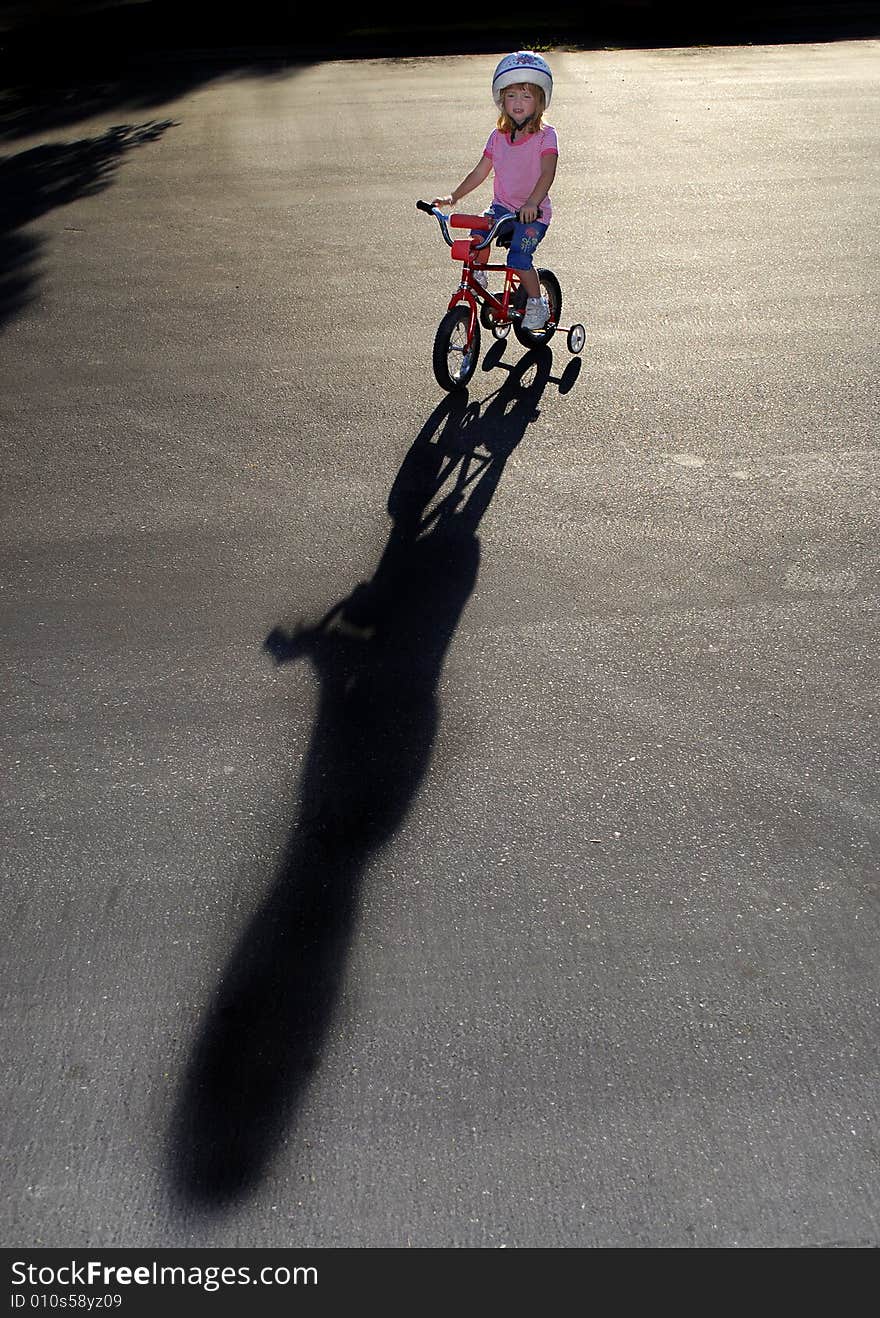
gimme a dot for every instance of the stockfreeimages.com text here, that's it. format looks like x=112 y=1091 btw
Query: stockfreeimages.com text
x=95 y=1273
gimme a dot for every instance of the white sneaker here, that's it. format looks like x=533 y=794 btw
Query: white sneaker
x=537 y=313
x=481 y=278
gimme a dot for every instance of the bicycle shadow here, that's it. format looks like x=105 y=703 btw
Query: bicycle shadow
x=378 y=654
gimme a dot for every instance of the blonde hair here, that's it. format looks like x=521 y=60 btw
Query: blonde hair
x=506 y=124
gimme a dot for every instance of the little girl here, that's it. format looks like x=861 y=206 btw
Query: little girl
x=522 y=151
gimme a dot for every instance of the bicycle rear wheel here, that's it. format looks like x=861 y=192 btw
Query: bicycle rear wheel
x=553 y=293
x=455 y=355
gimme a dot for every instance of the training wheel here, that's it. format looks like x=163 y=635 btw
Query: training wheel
x=577 y=337
x=501 y=331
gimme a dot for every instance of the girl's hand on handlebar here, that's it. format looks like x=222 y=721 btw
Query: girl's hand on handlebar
x=528 y=214
x=442 y=201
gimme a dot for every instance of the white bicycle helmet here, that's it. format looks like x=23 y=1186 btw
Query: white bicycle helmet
x=522 y=66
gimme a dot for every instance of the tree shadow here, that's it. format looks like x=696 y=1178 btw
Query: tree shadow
x=95 y=58
x=61 y=68
x=378 y=654
x=55 y=174
x=53 y=104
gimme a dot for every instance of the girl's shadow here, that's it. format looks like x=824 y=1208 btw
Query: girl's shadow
x=378 y=653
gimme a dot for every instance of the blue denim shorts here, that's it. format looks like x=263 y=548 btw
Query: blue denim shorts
x=524 y=238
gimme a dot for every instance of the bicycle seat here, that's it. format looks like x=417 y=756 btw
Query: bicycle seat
x=484 y=224
x=471 y=222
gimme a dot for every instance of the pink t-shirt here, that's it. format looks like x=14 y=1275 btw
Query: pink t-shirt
x=517 y=166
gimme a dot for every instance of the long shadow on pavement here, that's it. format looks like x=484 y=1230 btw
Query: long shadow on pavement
x=378 y=654
x=36 y=181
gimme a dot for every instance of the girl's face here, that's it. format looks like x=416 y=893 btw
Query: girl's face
x=519 y=102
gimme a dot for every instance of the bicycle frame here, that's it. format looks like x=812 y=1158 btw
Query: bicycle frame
x=473 y=293
x=465 y=250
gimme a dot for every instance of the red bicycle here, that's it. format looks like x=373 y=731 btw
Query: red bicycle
x=457 y=341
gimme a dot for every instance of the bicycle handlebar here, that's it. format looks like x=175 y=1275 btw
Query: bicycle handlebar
x=444 y=224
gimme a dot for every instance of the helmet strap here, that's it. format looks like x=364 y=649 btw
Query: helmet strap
x=518 y=128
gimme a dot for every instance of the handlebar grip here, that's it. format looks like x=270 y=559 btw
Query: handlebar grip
x=423 y=206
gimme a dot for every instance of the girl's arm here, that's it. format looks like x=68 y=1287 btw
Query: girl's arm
x=478 y=175
x=529 y=209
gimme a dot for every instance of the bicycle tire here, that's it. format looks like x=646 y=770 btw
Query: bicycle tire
x=551 y=290
x=454 y=326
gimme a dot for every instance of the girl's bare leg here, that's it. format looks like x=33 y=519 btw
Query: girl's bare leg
x=530 y=282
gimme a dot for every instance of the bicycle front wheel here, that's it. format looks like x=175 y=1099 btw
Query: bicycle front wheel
x=456 y=354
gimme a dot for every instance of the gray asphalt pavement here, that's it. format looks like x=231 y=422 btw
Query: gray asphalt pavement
x=429 y=821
